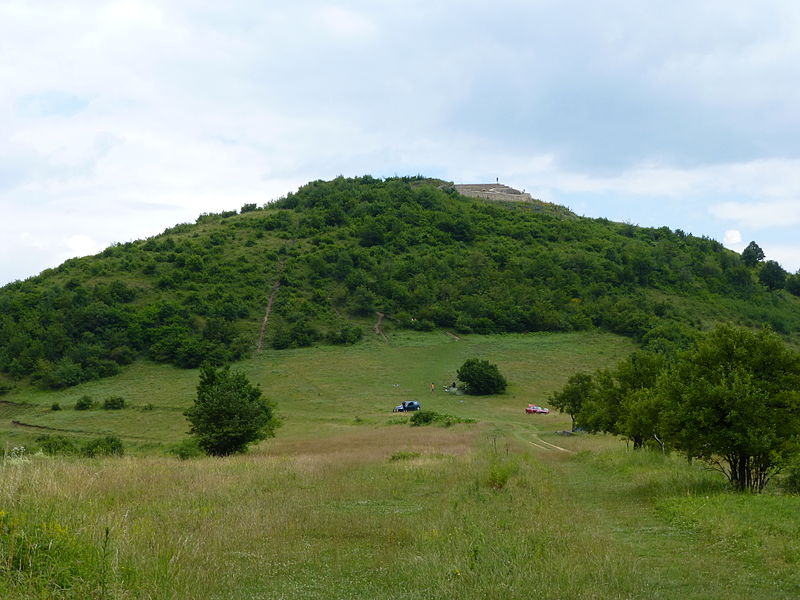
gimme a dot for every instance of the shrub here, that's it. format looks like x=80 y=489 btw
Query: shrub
x=790 y=482
x=56 y=444
x=186 y=449
x=481 y=377
x=430 y=417
x=114 y=403
x=423 y=417
x=122 y=355
x=499 y=473
x=347 y=334
x=229 y=412
x=109 y=445
x=55 y=406
x=84 y=403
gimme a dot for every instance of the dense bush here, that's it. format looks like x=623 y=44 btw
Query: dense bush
x=109 y=445
x=114 y=403
x=430 y=417
x=229 y=413
x=481 y=377
x=57 y=444
x=84 y=403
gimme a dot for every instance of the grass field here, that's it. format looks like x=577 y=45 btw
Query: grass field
x=348 y=501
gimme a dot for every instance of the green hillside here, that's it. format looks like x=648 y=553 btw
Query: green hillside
x=329 y=257
x=375 y=289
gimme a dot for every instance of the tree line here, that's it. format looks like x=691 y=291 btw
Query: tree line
x=732 y=399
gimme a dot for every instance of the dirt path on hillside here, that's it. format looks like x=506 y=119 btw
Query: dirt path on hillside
x=377 y=328
x=275 y=287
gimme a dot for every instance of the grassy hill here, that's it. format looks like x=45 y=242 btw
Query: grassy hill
x=328 y=258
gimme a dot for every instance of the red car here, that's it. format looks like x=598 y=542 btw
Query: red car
x=532 y=409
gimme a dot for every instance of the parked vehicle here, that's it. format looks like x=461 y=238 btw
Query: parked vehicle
x=406 y=406
x=533 y=409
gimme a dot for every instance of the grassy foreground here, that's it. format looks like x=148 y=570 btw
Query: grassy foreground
x=350 y=502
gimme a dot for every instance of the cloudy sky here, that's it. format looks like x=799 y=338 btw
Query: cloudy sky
x=119 y=119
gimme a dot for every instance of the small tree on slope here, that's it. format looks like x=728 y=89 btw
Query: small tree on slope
x=229 y=412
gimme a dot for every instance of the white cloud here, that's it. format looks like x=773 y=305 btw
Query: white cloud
x=732 y=238
x=28 y=240
x=345 y=23
x=125 y=13
x=82 y=245
x=788 y=255
x=760 y=214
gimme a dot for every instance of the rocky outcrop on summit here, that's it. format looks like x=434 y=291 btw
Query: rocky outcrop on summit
x=492 y=191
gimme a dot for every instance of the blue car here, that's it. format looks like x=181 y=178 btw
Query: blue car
x=406 y=406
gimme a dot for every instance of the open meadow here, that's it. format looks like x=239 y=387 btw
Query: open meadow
x=349 y=501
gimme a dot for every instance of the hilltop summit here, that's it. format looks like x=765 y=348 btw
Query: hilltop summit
x=492 y=191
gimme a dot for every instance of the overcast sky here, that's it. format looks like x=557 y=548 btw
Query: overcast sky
x=119 y=119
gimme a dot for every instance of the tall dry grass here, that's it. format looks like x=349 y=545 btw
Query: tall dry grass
x=314 y=520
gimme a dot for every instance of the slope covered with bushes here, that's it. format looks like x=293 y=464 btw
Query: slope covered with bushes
x=336 y=252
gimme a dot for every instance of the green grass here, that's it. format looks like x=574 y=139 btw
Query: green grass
x=325 y=388
x=349 y=501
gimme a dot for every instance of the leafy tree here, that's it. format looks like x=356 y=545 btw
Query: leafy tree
x=641 y=417
x=481 y=377
x=229 y=412
x=572 y=396
x=733 y=401
x=793 y=284
x=752 y=255
x=772 y=275
x=619 y=402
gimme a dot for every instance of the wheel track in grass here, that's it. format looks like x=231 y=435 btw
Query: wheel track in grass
x=664 y=559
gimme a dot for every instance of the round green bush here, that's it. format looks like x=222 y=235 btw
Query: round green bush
x=84 y=403
x=481 y=377
x=114 y=403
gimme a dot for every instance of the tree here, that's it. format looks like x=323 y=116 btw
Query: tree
x=733 y=401
x=481 y=377
x=772 y=275
x=793 y=284
x=229 y=412
x=572 y=396
x=752 y=255
x=620 y=402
